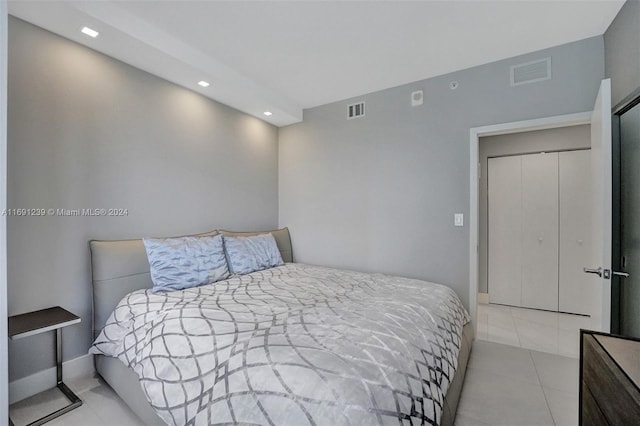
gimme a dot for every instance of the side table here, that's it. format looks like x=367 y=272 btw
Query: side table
x=37 y=322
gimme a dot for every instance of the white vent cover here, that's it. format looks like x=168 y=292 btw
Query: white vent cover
x=531 y=72
x=355 y=110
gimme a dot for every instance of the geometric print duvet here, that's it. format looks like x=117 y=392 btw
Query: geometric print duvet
x=292 y=345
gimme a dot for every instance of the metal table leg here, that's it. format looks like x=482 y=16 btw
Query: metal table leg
x=72 y=397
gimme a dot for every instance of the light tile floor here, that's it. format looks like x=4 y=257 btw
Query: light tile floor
x=506 y=385
x=543 y=331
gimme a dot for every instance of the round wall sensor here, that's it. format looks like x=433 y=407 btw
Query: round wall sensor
x=453 y=85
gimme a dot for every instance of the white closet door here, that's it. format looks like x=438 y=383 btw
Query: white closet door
x=540 y=231
x=505 y=229
x=575 y=230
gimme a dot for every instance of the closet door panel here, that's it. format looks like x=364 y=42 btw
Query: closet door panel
x=505 y=229
x=575 y=233
x=540 y=231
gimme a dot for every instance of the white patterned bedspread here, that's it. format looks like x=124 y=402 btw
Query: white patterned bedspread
x=292 y=345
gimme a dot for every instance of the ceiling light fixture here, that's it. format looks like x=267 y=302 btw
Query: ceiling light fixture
x=268 y=113
x=203 y=83
x=88 y=31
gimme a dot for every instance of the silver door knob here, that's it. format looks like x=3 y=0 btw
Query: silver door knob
x=620 y=274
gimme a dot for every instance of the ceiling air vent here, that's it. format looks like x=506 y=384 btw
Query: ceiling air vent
x=530 y=72
x=355 y=110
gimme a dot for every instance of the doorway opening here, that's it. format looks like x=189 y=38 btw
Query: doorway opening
x=533 y=239
x=534 y=221
x=495 y=130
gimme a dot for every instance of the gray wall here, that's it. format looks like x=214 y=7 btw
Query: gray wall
x=379 y=193
x=622 y=51
x=87 y=131
x=560 y=139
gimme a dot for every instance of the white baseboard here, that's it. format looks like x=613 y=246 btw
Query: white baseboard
x=483 y=298
x=46 y=379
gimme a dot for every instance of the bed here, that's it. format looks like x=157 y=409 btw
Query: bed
x=295 y=344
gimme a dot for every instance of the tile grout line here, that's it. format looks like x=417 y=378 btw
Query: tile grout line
x=515 y=327
x=544 y=394
x=518 y=342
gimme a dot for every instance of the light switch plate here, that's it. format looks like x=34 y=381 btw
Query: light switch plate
x=417 y=98
x=458 y=219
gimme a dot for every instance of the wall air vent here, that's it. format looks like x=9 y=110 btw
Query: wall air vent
x=531 y=72
x=355 y=110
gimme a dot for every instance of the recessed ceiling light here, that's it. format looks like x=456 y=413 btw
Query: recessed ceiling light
x=203 y=83
x=268 y=113
x=88 y=31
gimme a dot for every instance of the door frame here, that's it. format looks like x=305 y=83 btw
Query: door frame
x=475 y=134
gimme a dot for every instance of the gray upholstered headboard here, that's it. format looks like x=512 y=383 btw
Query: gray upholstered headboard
x=119 y=267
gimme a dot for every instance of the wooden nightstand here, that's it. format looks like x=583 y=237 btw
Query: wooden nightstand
x=609 y=379
x=37 y=322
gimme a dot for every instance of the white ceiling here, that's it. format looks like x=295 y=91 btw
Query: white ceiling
x=287 y=56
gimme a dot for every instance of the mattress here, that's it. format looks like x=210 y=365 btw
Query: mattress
x=296 y=344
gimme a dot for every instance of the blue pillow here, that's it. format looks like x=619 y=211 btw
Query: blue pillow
x=250 y=254
x=185 y=262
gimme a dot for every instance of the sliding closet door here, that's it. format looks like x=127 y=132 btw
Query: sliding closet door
x=540 y=231
x=575 y=230
x=505 y=229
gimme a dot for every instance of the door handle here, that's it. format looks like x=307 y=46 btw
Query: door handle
x=597 y=271
x=607 y=273
x=620 y=274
